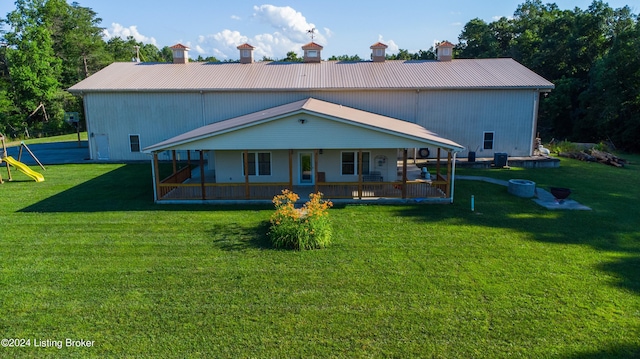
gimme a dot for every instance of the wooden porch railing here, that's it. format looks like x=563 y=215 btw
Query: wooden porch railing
x=414 y=189
x=219 y=191
x=179 y=177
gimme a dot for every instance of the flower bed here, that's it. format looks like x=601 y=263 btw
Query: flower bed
x=308 y=227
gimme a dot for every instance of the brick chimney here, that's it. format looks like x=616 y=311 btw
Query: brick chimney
x=378 y=52
x=444 y=51
x=246 y=53
x=180 y=54
x=312 y=52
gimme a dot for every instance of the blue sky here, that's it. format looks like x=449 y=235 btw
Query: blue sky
x=215 y=28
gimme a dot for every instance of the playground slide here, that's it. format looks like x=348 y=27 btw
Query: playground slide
x=24 y=169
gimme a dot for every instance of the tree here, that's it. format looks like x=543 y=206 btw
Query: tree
x=33 y=67
x=292 y=57
x=345 y=58
x=77 y=40
x=477 y=40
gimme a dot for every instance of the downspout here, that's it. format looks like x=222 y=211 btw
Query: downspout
x=90 y=138
x=453 y=175
x=536 y=104
x=154 y=176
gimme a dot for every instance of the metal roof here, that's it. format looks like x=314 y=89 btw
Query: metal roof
x=332 y=75
x=352 y=116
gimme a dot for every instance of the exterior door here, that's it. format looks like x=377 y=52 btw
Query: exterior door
x=102 y=146
x=306 y=168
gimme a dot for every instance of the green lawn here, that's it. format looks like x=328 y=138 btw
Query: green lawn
x=87 y=255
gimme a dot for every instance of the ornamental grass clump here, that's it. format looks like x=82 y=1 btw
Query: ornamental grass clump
x=308 y=227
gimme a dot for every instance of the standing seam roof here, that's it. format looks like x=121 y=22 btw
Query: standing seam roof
x=395 y=74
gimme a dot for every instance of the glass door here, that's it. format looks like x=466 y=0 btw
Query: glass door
x=306 y=168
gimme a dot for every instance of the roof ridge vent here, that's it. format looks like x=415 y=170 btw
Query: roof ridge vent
x=246 y=53
x=312 y=52
x=378 y=52
x=180 y=54
x=444 y=51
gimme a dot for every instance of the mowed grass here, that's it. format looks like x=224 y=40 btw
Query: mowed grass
x=87 y=255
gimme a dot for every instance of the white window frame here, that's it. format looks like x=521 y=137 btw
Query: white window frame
x=446 y=51
x=355 y=163
x=312 y=53
x=379 y=52
x=246 y=53
x=131 y=143
x=484 y=140
x=257 y=163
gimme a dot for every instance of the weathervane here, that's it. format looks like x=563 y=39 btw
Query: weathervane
x=312 y=32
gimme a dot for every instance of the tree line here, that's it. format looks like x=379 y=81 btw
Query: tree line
x=590 y=55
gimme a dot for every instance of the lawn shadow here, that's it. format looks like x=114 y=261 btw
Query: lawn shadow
x=126 y=188
x=233 y=237
x=602 y=228
x=622 y=351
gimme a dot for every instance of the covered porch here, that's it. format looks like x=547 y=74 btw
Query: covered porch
x=307 y=146
x=190 y=180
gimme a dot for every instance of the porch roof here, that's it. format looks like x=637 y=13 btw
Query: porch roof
x=334 y=113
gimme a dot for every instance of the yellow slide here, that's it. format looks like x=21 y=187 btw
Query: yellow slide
x=24 y=169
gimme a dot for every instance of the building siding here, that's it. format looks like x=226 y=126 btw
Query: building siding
x=460 y=115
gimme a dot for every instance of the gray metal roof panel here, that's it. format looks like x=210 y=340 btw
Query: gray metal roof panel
x=397 y=74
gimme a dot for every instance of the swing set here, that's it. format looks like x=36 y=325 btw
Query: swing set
x=8 y=160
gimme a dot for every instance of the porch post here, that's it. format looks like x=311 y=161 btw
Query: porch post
x=156 y=176
x=290 y=170
x=404 y=173
x=315 y=170
x=247 y=190
x=438 y=164
x=202 y=187
x=173 y=161
x=448 y=173
x=360 y=174
x=189 y=158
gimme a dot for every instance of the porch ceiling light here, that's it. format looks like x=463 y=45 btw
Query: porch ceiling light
x=302 y=121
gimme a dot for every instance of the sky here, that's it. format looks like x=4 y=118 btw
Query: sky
x=274 y=27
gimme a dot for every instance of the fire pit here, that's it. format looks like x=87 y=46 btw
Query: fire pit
x=560 y=194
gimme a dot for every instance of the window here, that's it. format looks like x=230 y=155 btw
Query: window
x=246 y=53
x=350 y=162
x=379 y=52
x=262 y=167
x=488 y=141
x=312 y=53
x=446 y=51
x=134 y=143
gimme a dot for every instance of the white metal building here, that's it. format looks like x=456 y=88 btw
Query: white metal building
x=482 y=105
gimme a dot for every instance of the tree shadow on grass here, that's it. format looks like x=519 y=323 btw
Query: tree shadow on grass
x=621 y=351
x=608 y=228
x=126 y=188
x=234 y=237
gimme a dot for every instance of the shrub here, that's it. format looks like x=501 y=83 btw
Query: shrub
x=308 y=227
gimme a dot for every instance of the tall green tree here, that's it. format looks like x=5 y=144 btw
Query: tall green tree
x=77 y=40
x=34 y=69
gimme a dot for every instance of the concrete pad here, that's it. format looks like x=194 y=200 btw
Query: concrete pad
x=546 y=200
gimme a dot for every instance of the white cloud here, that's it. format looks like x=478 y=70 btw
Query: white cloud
x=289 y=32
x=117 y=30
x=456 y=24
x=235 y=17
x=496 y=18
x=392 y=46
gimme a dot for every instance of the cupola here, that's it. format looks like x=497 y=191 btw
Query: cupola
x=246 y=53
x=444 y=51
x=312 y=52
x=378 y=52
x=180 y=54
